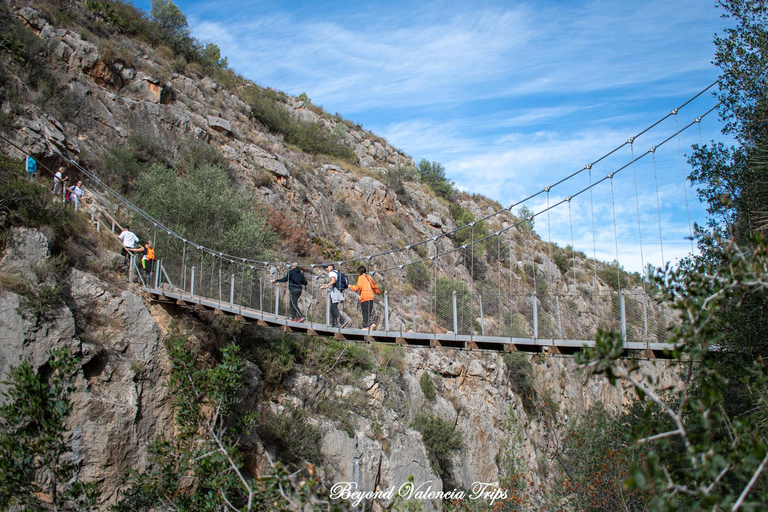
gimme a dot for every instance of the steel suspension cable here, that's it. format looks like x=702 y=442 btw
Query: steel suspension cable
x=637 y=205
x=658 y=205
x=685 y=181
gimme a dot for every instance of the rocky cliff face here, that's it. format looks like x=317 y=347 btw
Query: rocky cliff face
x=122 y=402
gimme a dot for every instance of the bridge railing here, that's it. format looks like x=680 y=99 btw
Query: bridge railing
x=439 y=308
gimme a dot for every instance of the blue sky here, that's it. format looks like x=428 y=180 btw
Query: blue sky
x=508 y=96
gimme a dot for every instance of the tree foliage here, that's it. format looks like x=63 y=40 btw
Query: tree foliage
x=433 y=175
x=36 y=466
x=203 y=206
x=202 y=467
x=722 y=461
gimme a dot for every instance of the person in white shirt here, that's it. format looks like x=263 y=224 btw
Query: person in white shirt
x=129 y=241
x=59 y=181
x=76 y=194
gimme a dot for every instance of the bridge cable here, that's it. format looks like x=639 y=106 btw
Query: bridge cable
x=685 y=181
x=637 y=205
x=549 y=243
x=658 y=204
x=615 y=237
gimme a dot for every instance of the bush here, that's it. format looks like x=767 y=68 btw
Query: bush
x=293 y=437
x=313 y=138
x=613 y=275
x=204 y=207
x=417 y=275
x=520 y=377
x=433 y=175
x=442 y=441
x=427 y=387
x=36 y=468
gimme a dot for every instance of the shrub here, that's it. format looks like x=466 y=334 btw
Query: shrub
x=204 y=207
x=293 y=437
x=417 y=275
x=36 y=469
x=613 y=275
x=294 y=238
x=442 y=441
x=520 y=377
x=433 y=175
x=427 y=387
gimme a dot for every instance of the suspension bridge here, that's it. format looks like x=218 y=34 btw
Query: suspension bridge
x=542 y=298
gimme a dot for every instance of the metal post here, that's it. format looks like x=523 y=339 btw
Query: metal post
x=645 y=322
x=130 y=267
x=559 y=320
x=192 y=285
x=98 y=225
x=232 y=292
x=623 y=318
x=113 y=226
x=328 y=309
x=158 y=266
x=482 y=322
x=277 y=301
x=386 y=312
x=261 y=297
x=455 y=319
x=184 y=280
x=535 y=318
x=413 y=312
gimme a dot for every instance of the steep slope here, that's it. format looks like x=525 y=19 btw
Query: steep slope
x=108 y=89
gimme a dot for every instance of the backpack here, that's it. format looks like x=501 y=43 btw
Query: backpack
x=342 y=281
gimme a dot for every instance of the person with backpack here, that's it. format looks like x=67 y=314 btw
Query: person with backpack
x=76 y=194
x=366 y=288
x=337 y=282
x=30 y=165
x=296 y=281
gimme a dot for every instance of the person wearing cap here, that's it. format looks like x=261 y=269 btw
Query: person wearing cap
x=296 y=281
x=336 y=296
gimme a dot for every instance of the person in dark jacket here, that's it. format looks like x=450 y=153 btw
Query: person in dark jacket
x=296 y=281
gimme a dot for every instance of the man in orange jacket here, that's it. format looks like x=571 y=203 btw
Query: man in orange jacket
x=366 y=288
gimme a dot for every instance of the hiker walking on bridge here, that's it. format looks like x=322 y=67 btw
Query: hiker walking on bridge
x=296 y=280
x=366 y=288
x=337 y=297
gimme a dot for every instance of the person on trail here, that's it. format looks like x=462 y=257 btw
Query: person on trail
x=76 y=194
x=129 y=240
x=366 y=288
x=30 y=165
x=296 y=281
x=60 y=181
x=148 y=260
x=337 y=297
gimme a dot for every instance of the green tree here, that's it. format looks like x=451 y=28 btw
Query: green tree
x=442 y=441
x=724 y=453
x=173 y=23
x=525 y=215
x=433 y=175
x=36 y=466
x=211 y=59
x=201 y=205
